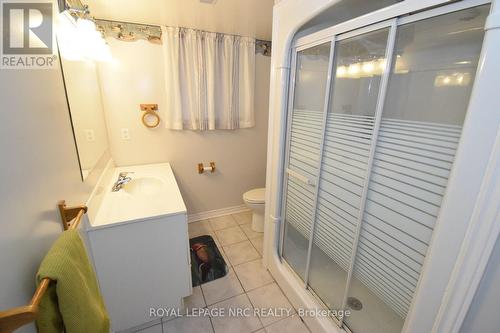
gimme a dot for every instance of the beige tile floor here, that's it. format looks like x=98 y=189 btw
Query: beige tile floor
x=248 y=285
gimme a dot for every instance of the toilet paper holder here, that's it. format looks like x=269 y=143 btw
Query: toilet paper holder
x=202 y=168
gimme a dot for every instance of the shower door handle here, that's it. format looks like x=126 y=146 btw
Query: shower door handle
x=299 y=177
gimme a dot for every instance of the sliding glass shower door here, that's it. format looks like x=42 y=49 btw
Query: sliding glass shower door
x=433 y=66
x=359 y=62
x=376 y=117
x=304 y=149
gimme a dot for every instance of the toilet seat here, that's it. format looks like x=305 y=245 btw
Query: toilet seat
x=255 y=196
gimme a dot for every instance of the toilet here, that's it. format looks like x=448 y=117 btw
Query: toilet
x=254 y=199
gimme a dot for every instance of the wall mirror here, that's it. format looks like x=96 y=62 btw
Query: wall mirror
x=86 y=108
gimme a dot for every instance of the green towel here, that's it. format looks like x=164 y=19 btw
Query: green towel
x=72 y=303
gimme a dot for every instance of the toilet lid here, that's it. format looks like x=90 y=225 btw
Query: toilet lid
x=256 y=195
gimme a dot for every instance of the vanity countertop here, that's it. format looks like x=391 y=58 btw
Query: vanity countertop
x=152 y=193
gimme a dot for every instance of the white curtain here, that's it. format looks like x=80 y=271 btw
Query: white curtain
x=209 y=80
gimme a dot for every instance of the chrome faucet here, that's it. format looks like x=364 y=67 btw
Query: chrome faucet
x=122 y=180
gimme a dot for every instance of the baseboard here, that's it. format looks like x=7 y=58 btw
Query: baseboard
x=216 y=213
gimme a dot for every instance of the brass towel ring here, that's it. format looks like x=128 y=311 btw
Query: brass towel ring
x=152 y=123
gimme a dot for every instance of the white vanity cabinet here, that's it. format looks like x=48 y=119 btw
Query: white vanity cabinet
x=140 y=246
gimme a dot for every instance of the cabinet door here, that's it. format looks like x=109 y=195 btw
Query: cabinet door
x=142 y=265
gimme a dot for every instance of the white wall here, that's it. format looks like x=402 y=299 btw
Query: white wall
x=39 y=166
x=136 y=76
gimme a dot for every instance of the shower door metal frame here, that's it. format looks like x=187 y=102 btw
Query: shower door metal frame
x=384 y=82
x=335 y=34
x=291 y=96
x=326 y=104
x=392 y=25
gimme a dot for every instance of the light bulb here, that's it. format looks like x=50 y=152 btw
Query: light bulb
x=85 y=25
x=382 y=63
x=83 y=42
x=354 y=69
x=67 y=37
x=96 y=35
x=341 y=71
x=103 y=53
x=368 y=67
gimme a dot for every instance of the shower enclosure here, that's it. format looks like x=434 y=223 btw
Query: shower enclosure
x=374 y=119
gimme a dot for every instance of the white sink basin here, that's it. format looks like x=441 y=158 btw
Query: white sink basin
x=152 y=192
x=144 y=186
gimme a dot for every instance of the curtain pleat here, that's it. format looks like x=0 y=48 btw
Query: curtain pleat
x=209 y=79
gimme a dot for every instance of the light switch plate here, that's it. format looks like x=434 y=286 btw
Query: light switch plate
x=90 y=135
x=125 y=134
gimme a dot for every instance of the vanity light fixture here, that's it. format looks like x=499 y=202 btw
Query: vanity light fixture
x=369 y=68
x=75 y=7
x=88 y=34
x=78 y=34
x=341 y=71
x=353 y=69
x=456 y=79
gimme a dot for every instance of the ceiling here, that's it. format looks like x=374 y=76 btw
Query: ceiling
x=241 y=17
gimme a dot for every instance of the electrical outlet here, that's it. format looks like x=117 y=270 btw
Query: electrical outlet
x=125 y=133
x=90 y=135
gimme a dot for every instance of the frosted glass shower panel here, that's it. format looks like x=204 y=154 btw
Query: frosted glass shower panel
x=358 y=67
x=305 y=136
x=434 y=63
